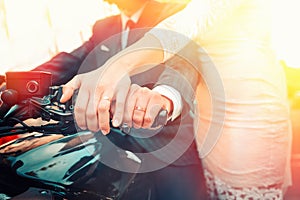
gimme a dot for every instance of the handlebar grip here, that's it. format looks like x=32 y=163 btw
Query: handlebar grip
x=160 y=120
x=9 y=98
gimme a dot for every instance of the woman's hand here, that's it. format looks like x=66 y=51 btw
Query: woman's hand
x=97 y=89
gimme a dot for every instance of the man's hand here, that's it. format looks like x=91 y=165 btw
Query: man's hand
x=143 y=106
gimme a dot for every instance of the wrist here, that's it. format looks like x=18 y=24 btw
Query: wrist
x=172 y=99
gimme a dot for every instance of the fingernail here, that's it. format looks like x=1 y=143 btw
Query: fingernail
x=62 y=97
x=115 y=123
x=104 y=132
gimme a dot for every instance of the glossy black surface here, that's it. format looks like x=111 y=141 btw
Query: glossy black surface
x=72 y=165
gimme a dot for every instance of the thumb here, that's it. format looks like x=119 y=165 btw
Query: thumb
x=69 y=88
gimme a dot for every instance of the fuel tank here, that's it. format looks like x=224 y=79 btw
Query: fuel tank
x=84 y=163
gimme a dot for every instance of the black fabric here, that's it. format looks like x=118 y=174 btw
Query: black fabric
x=191 y=186
x=171 y=182
x=64 y=66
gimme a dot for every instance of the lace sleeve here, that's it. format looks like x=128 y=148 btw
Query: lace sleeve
x=192 y=23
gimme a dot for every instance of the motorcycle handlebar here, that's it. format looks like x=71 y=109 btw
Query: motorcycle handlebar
x=47 y=108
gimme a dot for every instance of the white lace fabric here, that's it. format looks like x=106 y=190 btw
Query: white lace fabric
x=219 y=190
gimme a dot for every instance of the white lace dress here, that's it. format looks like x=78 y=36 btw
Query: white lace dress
x=244 y=133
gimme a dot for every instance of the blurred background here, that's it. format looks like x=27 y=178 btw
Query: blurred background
x=32 y=31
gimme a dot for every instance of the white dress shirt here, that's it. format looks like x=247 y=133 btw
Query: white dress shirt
x=124 y=18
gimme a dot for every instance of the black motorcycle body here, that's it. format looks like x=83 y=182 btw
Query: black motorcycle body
x=58 y=157
x=70 y=167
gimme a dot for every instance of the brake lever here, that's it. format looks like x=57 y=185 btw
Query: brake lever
x=51 y=108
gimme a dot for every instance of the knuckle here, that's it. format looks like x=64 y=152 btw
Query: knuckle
x=146 y=90
x=90 y=115
x=147 y=120
x=137 y=120
x=79 y=109
x=103 y=107
x=143 y=91
x=80 y=123
x=99 y=87
x=134 y=86
x=156 y=95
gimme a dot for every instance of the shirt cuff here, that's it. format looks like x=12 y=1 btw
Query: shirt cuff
x=174 y=96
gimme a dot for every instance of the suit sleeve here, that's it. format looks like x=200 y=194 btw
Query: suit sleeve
x=64 y=66
x=182 y=73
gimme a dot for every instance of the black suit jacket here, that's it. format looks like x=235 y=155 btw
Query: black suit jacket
x=106 y=42
x=65 y=66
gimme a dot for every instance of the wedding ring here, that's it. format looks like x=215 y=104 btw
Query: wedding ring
x=106 y=98
x=140 y=108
